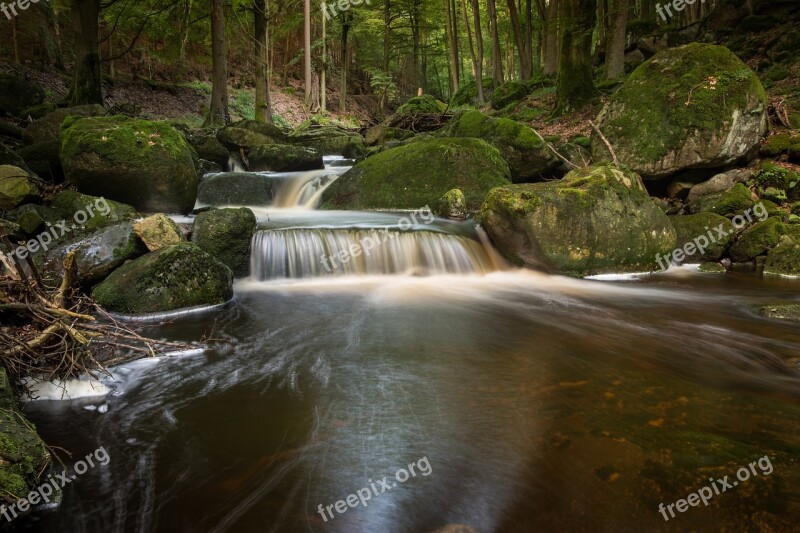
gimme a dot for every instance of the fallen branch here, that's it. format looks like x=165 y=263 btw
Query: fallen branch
x=605 y=141
x=550 y=146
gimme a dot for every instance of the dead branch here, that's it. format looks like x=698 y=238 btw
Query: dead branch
x=605 y=141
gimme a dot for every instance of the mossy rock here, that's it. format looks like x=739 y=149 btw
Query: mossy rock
x=528 y=157
x=48 y=127
x=250 y=133
x=381 y=134
x=235 y=188
x=596 y=219
x=146 y=164
x=33 y=217
x=23 y=455
x=329 y=140
x=158 y=231
x=209 y=148
x=425 y=104
x=728 y=203
x=695 y=106
x=9 y=157
x=509 y=93
x=452 y=205
x=16 y=187
x=697 y=228
x=467 y=92
x=758 y=240
x=103 y=212
x=284 y=158
x=171 y=278
x=781 y=143
x=771 y=175
x=44 y=160
x=781 y=312
x=17 y=94
x=784 y=259
x=226 y=234
x=418 y=174
x=36 y=112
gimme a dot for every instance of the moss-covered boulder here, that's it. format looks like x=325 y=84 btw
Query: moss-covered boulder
x=695 y=106
x=235 y=188
x=17 y=93
x=719 y=183
x=210 y=149
x=44 y=160
x=284 y=158
x=596 y=219
x=23 y=455
x=250 y=133
x=729 y=203
x=418 y=105
x=158 y=231
x=329 y=140
x=758 y=240
x=48 y=128
x=528 y=157
x=508 y=93
x=91 y=212
x=96 y=254
x=381 y=134
x=784 y=259
x=784 y=182
x=33 y=217
x=704 y=228
x=418 y=174
x=9 y=157
x=171 y=278
x=467 y=92
x=16 y=187
x=787 y=142
x=452 y=205
x=146 y=164
x=225 y=234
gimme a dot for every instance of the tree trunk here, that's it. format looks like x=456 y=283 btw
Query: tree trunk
x=347 y=18
x=322 y=80
x=183 y=33
x=387 y=33
x=87 y=82
x=497 y=54
x=476 y=15
x=551 y=39
x=261 y=19
x=524 y=63
x=452 y=46
x=469 y=38
x=218 y=114
x=615 y=45
x=307 y=50
x=575 y=86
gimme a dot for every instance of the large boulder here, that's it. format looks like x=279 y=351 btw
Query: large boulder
x=48 y=128
x=91 y=212
x=695 y=106
x=235 y=188
x=528 y=156
x=17 y=93
x=209 y=148
x=758 y=240
x=596 y=219
x=418 y=105
x=225 y=234
x=330 y=140
x=44 y=159
x=701 y=229
x=9 y=157
x=728 y=203
x=784 y=259
x=284 y=158
x=171 y=278
x=249 y=133
x=148 y=165
x=418 y=174
x=16 y=187
x=32 y=218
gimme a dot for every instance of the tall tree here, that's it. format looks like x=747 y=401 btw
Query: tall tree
x=452 y=43
x=307 y=50
x=523 y=50
x=87 y=84
x=218 y=113
x=347 y=20
x=263 y=100
x=574 y=85
x=476 y=15
x=497 y=54
x=323 y=71
x=615 y=43
x=551 y=38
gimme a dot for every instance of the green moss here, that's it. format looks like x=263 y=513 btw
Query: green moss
x=508 y=93
x=691 y=227
x=421 y=104
x=784 y=258
x=781 y=143
x=225 y=234
x=758 y=240
x=72 y=202
x=467 y=92
x=729 y=203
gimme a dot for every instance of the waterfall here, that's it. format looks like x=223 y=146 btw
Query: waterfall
x=319 y=252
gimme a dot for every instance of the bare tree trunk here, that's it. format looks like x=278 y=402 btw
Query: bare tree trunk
x=261 y=19
x=307 y=50
x=87 y=83
x=469 y=38
x=615 y=45
x=575 y=86
x=524 y=63
x=15 y=39
x=551 y=39
x=183 y=33
x=322 y=81
x=218 y=114
x=387 y=33
x=347 y=18
x=476 y=15
x=497 y=54
x=452 y=45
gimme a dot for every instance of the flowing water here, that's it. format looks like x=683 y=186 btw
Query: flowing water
x=524 y=401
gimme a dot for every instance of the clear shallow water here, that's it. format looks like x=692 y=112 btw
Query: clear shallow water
x=540 y=402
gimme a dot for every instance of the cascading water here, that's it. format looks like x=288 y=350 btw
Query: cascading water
x=313 y=252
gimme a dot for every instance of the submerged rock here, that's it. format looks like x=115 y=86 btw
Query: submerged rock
x=595 y=220
x=177 y=276
x=418 y=174
x=528 y=156
x=235 y=188
x=226 y=234
x=148 y=165
x=695 y=106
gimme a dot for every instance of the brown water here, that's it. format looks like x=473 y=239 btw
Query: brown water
x=540 y=403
